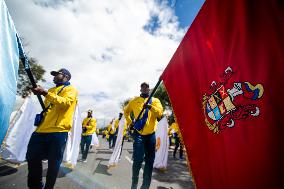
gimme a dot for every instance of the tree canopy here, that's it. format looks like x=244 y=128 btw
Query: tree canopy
x=163 y=96
x=24 y=84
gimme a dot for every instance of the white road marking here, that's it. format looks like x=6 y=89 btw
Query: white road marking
x=128 y=159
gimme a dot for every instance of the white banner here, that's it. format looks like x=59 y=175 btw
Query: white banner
x=14 y=148
x=16 y=142
x=162 y=144
x=117 y=149
x=74 y=138
x=95 y=140
x=112 y=125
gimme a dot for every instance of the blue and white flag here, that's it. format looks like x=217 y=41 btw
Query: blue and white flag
x=9 y=64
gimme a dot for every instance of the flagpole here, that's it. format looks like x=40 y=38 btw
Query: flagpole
x=150 y=96
x=25 y=62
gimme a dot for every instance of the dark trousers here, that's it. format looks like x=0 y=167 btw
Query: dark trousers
x=111 y=140
x=48 y=146
x=143 y=149
x=178 y=145
x=85 y=145
x=170 y=141
x=114 y=140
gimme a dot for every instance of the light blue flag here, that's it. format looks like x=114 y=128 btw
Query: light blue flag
x=9 y=64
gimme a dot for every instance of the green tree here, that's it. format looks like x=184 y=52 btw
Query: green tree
x=124 y=103
x=162 y=95
x=24 y=84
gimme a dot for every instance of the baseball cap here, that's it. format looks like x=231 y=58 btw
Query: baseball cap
x=62 y=71
x=144 y=83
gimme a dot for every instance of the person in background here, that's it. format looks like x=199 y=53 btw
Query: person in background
x=116 y=125
x=174 y=129
x=111 y=131
x=88 y=128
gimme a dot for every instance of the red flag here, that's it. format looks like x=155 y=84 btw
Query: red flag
x=225 y=82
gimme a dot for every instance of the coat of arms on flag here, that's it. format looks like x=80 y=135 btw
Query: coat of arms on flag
x=219 y=107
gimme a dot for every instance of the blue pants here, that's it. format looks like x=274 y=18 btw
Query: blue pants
x=114 y=140
x=143 y=149
x=85 y=145
x=111 y=140
x=48 y=146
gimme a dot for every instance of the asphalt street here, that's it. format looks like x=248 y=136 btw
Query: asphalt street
x=95 y=173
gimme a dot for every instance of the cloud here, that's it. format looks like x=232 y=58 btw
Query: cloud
x=110 y=47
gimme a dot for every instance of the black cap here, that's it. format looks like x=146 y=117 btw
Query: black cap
x=144 y=83
x=62 y=71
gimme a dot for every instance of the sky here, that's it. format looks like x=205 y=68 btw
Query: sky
x=110 y=46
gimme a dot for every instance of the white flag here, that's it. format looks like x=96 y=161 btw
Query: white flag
x=14 y=148
x=95 y=140
x=74 y=138
x=112 y=125
x=117 y=149
x=162 y=144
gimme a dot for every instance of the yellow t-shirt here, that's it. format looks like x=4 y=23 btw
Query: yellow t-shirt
x=175 y=128
x=59 y=117
x=135 y=105
x=90 y=124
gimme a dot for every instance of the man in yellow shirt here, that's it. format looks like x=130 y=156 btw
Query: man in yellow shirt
x=49 y=139
x=116 y=125
x=174 y=129
x=112 y=131
x=88 y=129
x=144 y=134
x=110 y=134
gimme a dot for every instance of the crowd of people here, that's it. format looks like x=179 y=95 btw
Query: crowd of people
x=48 y=141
